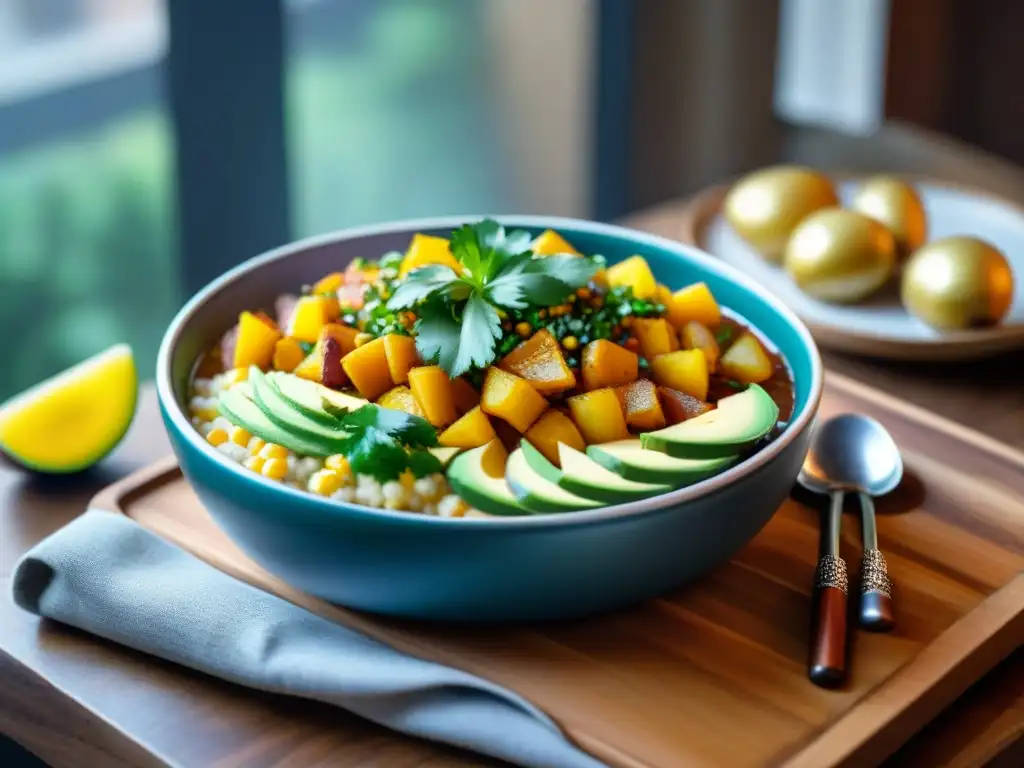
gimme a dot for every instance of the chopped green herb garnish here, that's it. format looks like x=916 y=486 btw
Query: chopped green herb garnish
x=306 y=346
x=384 y=442
x=459 y=324
x=724 y=335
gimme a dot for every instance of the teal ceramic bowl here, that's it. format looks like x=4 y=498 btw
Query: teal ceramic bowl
x=477 y=569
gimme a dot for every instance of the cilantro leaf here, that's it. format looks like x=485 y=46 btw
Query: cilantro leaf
x=468 y=246
x=507 y=292
x=419 y=284
x=481 y=327
x=437 y=339
x=375 y=453
x=574 y=271
x=543 y=290
x=412 y=430
x=423 y=463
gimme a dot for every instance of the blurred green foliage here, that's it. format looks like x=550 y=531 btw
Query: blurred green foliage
x=396 y=122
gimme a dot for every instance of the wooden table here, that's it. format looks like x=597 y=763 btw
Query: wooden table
x=74 y=700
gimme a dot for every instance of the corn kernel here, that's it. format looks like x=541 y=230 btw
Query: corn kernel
x=273 y=451
x=407 y=479
x=583 y=293
x=570 y=343
x=324 y=482
x=240 y=436
x=275 y=469
x=523 y=329
x=217 y=436
x=255 y=444
x=255 y=463
x=338 y=463
x=204 y=414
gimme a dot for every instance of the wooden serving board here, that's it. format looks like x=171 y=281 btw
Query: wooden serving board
x=715 y=673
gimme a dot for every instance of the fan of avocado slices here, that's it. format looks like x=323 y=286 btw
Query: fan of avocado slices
x=527 y=483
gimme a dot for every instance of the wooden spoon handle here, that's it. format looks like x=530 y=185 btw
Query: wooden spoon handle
x=827 y=665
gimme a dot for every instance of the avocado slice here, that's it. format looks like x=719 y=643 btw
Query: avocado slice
x=538 y=493
x=737 y=423
x=280 y=411
x=308 y=397
x=473 y=476
x=634 y=462
x=240 y=410
x=585 y=477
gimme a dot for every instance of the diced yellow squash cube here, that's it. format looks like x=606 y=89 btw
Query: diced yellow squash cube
x=470 y=431
x=400 y=399
x=550 y=242
x=654 y=334
x=552 y=428
x=747 y=361
x=402 y=355
x=427 y=249
x=636 y=273
x=599 y=416
x=685 y=370
x=511 y=398
x=640 y=404
x=308 y=317
x=287 y=354
x=367 y=368
x=698 y=336
x=539 y=360
x=606 y=364
x=257 y=335
x=493 y=460
x=432 y=389
x=329 y=284
x=466 y=397
x=695 y=302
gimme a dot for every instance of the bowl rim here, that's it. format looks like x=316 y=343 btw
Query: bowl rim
x=176 y=414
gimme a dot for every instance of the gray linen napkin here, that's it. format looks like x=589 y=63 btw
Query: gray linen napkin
x=109 y=576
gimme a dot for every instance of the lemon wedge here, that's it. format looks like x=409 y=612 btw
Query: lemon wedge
x=71 y=421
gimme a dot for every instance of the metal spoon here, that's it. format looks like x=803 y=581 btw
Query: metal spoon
x=849 y=453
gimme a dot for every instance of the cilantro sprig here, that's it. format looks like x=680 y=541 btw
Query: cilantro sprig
x=383 y=442
x=459 y=323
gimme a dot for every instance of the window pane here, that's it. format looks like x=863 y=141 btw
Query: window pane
x=425 y=107
x=85 y=194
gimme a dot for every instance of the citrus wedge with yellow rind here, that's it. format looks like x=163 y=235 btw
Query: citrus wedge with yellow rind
x=71 y=421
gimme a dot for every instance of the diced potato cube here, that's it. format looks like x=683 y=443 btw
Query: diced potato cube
x=400 y=399
x=679 y=406
x=685 y=370
x=433 y=391
x=470 y=431
x=540 y=361
x=512 y=398
x=636 y=273
x=599 y=416
x=552 y=428
x=746 y=360
x=329 y=284
x=695 y=302
x=550 y=242
x=698 y=336
x=427 y=249
x=308 y=317
x=287 y=354
x=367 y=367
x=257 y=336
x=402 y=355
x=606 y=364
x=654 y=334
x=639 y=402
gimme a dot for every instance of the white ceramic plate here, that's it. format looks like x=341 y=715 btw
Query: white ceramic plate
x=880 y=326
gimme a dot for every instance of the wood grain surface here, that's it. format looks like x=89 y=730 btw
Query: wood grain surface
x=665 y=684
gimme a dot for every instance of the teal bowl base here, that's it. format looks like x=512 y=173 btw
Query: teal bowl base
x=483 y=573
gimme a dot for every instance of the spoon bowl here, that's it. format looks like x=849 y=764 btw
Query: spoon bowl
x=852 y=453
